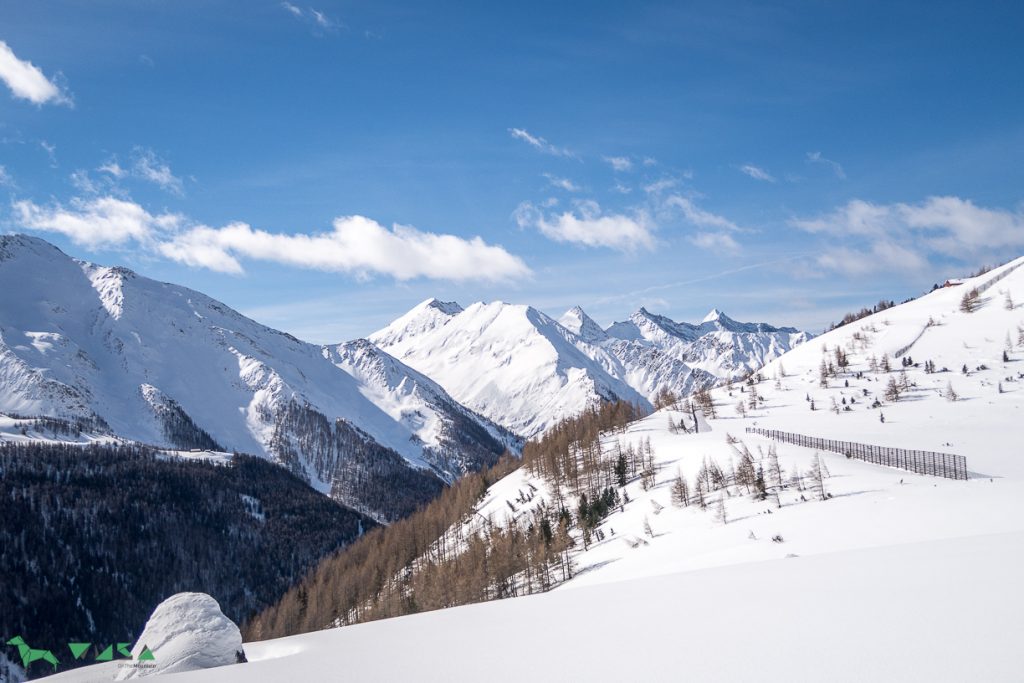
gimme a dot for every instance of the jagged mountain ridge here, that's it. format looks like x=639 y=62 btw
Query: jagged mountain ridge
x=525 y=370
x=165 y=365
x=511 y=363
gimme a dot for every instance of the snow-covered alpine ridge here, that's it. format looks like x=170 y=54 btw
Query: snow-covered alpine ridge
x=120 y=354
x=526 y=371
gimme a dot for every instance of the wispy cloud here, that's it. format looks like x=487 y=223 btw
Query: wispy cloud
x=318 y=19
x=112 y=168
x=699 y=217
x=51 y=152
x=659 y=186
x=562 y=183
x=26 y=81
x=5 y=178
x=357 y=245
x=816 y=158
x=864 y=237
x=588 y=226
x=620 y=163
x=540 y=143
x=148 y=166
x=715 y=230
x=757 y=173
x=721 y=242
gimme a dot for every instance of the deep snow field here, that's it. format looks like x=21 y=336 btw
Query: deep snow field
x=896 y=576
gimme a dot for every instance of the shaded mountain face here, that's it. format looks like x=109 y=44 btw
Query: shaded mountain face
x=165 y=365
x=526 y=371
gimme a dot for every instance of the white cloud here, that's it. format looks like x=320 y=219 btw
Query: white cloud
x=103 y=221
x=659 y=186
x=5 y=178
x=540 y=143
x=620 y=163
x=716 y=241
x=699 y=217
x=357 y=245
x=113 y=168
x=83 y=183
x=622 y=189
x=589 y=227
x=317 y=18
x=322 y=20
x=714 y=234
x=816 y=158
x=757 y=173
x=562 y=183
x=866 y=237
x=882 y=256
x=27 y=82
x=150 y=167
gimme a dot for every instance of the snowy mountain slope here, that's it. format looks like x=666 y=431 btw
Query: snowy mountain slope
x=457 y=439
x=508 y=362
x=868 y=505
x=566 y=365
x=945 y=615
x=166 y=365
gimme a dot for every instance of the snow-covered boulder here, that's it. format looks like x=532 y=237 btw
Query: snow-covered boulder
x=186 y=631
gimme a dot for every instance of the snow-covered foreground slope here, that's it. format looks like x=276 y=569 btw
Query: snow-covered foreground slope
x=162 y=364
x=527 y=371
x=935 y=611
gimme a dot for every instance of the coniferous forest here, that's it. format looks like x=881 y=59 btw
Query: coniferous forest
x=94 y=538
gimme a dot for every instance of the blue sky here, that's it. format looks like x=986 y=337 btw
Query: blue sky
x=323 y=167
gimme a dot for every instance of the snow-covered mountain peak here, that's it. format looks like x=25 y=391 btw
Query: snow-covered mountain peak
x=422 y=318
x=713 y=316
x=446 y=307
x=582 y=325
x=651 y=327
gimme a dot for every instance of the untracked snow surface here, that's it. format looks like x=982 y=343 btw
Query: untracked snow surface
x=936 y=611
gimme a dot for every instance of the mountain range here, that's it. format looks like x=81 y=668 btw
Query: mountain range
x=109 y=353
x=89 y=352
x=527 y=371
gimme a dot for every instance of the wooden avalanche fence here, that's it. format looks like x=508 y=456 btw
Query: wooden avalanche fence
x=922 y=462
